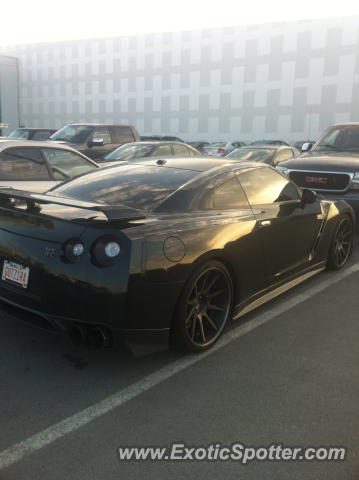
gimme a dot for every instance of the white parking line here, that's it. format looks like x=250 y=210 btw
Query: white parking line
x=40 y=440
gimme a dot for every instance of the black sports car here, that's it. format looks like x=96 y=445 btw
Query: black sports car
x=163 y=250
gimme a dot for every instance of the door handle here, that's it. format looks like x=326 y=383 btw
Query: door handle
x=264 y=223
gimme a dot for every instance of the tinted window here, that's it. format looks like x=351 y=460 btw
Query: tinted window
x=41 y=135
x=129 y=152
x=229 y=195
x=339 y=138
x=104 y=133
x=252 y=155
x=180 y=149
x=20 y=134
x=124 y=134
x=73 y=133
x=162 y=150
x=64 y=164
x=22 y=164
x=139 y=186
x=265 y=185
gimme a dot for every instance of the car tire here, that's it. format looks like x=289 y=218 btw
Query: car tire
x=342 y=243
x=204 y=307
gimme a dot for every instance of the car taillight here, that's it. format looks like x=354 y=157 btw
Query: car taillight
x=73 y=250
x=220 y=150
x=106 y=250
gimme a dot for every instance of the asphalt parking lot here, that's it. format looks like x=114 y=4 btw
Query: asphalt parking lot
x=286 y=373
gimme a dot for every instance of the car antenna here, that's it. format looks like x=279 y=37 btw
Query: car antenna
x=310 y=124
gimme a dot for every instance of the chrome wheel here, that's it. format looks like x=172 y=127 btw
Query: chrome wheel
x=208 y=306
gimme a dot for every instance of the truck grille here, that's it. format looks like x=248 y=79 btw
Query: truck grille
x=321 y=180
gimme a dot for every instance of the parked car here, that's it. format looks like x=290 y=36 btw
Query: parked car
x=163 y=252
x=270 y=154
x=38 y=166
x=269 y=142
x=31 y=134
x=162 y=138
x=95 y=140
x=299 y=144
x=199 y=145
x=132 y=151
x=331 y=166
x=220 y=149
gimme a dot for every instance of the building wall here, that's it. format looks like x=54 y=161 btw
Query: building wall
x=9 y=94
x=284 y=80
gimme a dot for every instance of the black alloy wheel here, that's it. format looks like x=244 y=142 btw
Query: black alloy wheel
x=205 y=306
x=342 y=244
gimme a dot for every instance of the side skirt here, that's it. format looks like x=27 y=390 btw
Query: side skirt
x=247 y=307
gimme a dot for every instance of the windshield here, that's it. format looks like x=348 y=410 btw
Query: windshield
x=341 y=138
x=138 y=186
x=72 y=133
x=129 y=152
x=247 y=154
x=20 y=133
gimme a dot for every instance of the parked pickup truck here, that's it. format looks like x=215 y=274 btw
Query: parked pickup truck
x=95 y=140
x=330 y=166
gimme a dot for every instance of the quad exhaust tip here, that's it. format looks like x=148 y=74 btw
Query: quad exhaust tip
x=97 y=337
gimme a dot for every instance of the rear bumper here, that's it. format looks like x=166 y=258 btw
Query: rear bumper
x=139 y=341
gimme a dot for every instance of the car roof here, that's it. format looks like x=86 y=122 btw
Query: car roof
x=196 y=164
x=37 y=129
x=345 y=124
x=5 y=143
x=89 y=124
x=154 y=142
x=264 y=147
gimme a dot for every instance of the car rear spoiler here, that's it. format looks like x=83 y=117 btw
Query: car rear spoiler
x=34 y=201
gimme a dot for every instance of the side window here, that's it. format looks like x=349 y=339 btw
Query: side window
x=64 y=164
x=229 y=195
x=124 y=135
x=41 y=135
x=23 y=164
x=286 y=154
x=180 y=149
x=192 y=152
x=104 y=133
x=265 y=185
x=162 y=150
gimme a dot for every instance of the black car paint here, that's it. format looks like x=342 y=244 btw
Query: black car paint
x=136 y=297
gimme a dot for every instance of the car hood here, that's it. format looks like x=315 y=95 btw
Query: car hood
x=337 y=162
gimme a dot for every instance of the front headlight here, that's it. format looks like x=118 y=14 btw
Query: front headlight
x=355 y=181
x=283 y=170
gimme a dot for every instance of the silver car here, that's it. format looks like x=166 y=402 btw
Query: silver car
x=220 y=149
x=39 y=166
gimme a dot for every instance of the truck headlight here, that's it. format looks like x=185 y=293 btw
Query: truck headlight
x=283 y=170
x=355 y=181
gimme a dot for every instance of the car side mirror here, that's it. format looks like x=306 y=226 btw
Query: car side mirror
x=308 y=196
x=95 y=142
x=306 y=147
